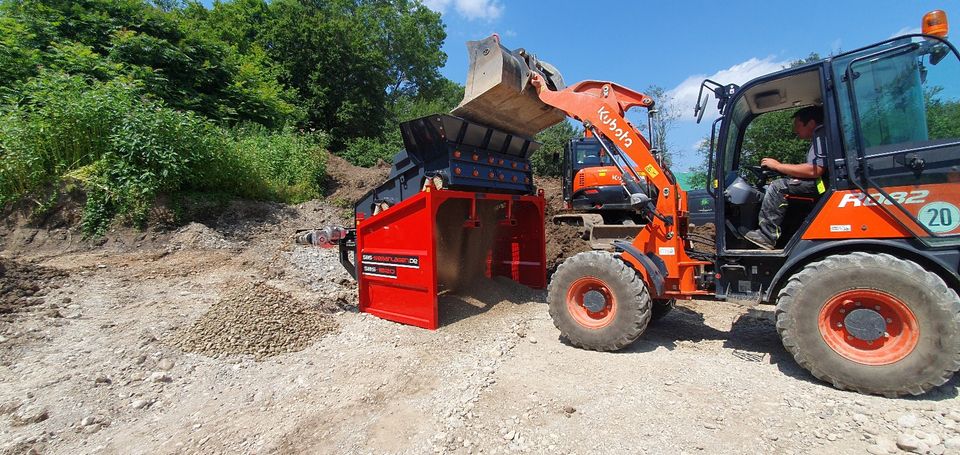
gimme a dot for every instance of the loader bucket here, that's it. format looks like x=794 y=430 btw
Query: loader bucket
x=498 y=92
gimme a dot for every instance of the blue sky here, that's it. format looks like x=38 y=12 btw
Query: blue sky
x=675 y=44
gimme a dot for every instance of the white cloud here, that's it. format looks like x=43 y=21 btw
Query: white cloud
x=684 y=96
x=470 y=9
x=905 y=31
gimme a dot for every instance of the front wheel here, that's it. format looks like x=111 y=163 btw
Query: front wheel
x=871 y=323
x=598 y=302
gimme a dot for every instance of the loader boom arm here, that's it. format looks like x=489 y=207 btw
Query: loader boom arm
x=658 y=251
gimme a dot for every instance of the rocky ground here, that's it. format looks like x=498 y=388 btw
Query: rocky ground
x=224 y=337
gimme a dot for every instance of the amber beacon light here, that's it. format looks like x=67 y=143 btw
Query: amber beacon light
x=935 y=23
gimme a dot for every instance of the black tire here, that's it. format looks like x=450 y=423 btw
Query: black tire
x=931 y=362
x=661 y=308
x=629 y=296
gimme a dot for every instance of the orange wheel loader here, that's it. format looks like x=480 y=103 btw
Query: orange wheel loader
x=865 y=275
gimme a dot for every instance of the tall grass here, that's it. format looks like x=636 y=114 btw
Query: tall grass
x=128 y=149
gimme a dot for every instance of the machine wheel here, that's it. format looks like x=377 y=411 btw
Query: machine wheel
x=598 y=302
x=660 y=308
x=872 y=323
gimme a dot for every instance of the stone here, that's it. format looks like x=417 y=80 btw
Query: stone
x=139 y=404
x=29 y=414
x=87 y=421
x=952 y=443
x=102 y=379
x=908 y=421
x=532 y=340
x=569 y=409
x=510 y=435
x=887 y=444
x=165 y=364
x=908 y=442
x=159 y=376
x=877 y=450
x=930 y=439
x=954 y=416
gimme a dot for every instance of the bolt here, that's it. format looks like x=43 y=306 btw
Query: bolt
x=877 y=308
x=839 y=324
x=849 y=337
x=886 y=334
x=842 y=311
x=889 y=321
x=857 y=303
x=869 y=342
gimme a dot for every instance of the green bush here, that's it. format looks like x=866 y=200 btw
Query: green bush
x=129 y=149
x=368 y=151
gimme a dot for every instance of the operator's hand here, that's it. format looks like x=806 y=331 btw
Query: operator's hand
x=771 y=164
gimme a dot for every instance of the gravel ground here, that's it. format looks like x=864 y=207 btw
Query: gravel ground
x=99 y=366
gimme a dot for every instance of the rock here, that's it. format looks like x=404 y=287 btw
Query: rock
x=102 y=379
x=860 y=418
x=908 y=442
x=510 y=435
x=165 y=364
x=887 y=444
x=92 y=428
x=532 y=340
x=908 y=421
x=877 y=450
x=952 y=443
x=159 y=376
x=569 y=410
x=954 y=416
x=930 y=439
x=139 y=404
x=29 y=414
x=140 y=359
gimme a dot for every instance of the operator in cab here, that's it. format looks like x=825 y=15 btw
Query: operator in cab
x=802 y=180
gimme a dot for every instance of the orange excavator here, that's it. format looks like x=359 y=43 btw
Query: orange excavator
x=865 y=275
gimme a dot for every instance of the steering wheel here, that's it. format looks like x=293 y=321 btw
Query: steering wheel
x=762 y=173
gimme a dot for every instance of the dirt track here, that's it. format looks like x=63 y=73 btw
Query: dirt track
x=98 y=365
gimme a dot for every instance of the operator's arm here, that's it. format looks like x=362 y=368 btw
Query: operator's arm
x=800 y=171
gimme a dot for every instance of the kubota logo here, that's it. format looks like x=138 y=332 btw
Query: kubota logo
x=619 y=133
x=901 y=197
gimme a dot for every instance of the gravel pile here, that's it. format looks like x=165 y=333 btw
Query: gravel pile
x=255 y=319
x=24 y=285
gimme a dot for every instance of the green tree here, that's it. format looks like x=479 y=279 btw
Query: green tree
x=664 y=120
x=554 y=139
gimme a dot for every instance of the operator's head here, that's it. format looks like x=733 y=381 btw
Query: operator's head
x=806 y=120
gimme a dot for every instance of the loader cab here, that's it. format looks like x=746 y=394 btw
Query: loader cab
x=890 y=143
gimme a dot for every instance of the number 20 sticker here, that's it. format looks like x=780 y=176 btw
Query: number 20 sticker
x=940 y=217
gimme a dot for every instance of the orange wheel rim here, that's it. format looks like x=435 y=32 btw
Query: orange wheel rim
x=869 y=327
x=591 y=303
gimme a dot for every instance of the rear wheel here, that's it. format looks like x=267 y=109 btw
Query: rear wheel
x=871 y=323
x=598 y=302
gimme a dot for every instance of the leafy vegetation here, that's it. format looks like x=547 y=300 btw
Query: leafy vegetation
x=140 y=99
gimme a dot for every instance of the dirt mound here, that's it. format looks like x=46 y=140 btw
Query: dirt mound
x=347 y=183
x=563 y=241
x=25 y=285
x=485 y=292
x=196 y=235
x=255 y=319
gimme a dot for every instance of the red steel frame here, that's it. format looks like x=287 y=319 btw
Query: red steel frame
x=397 y=251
